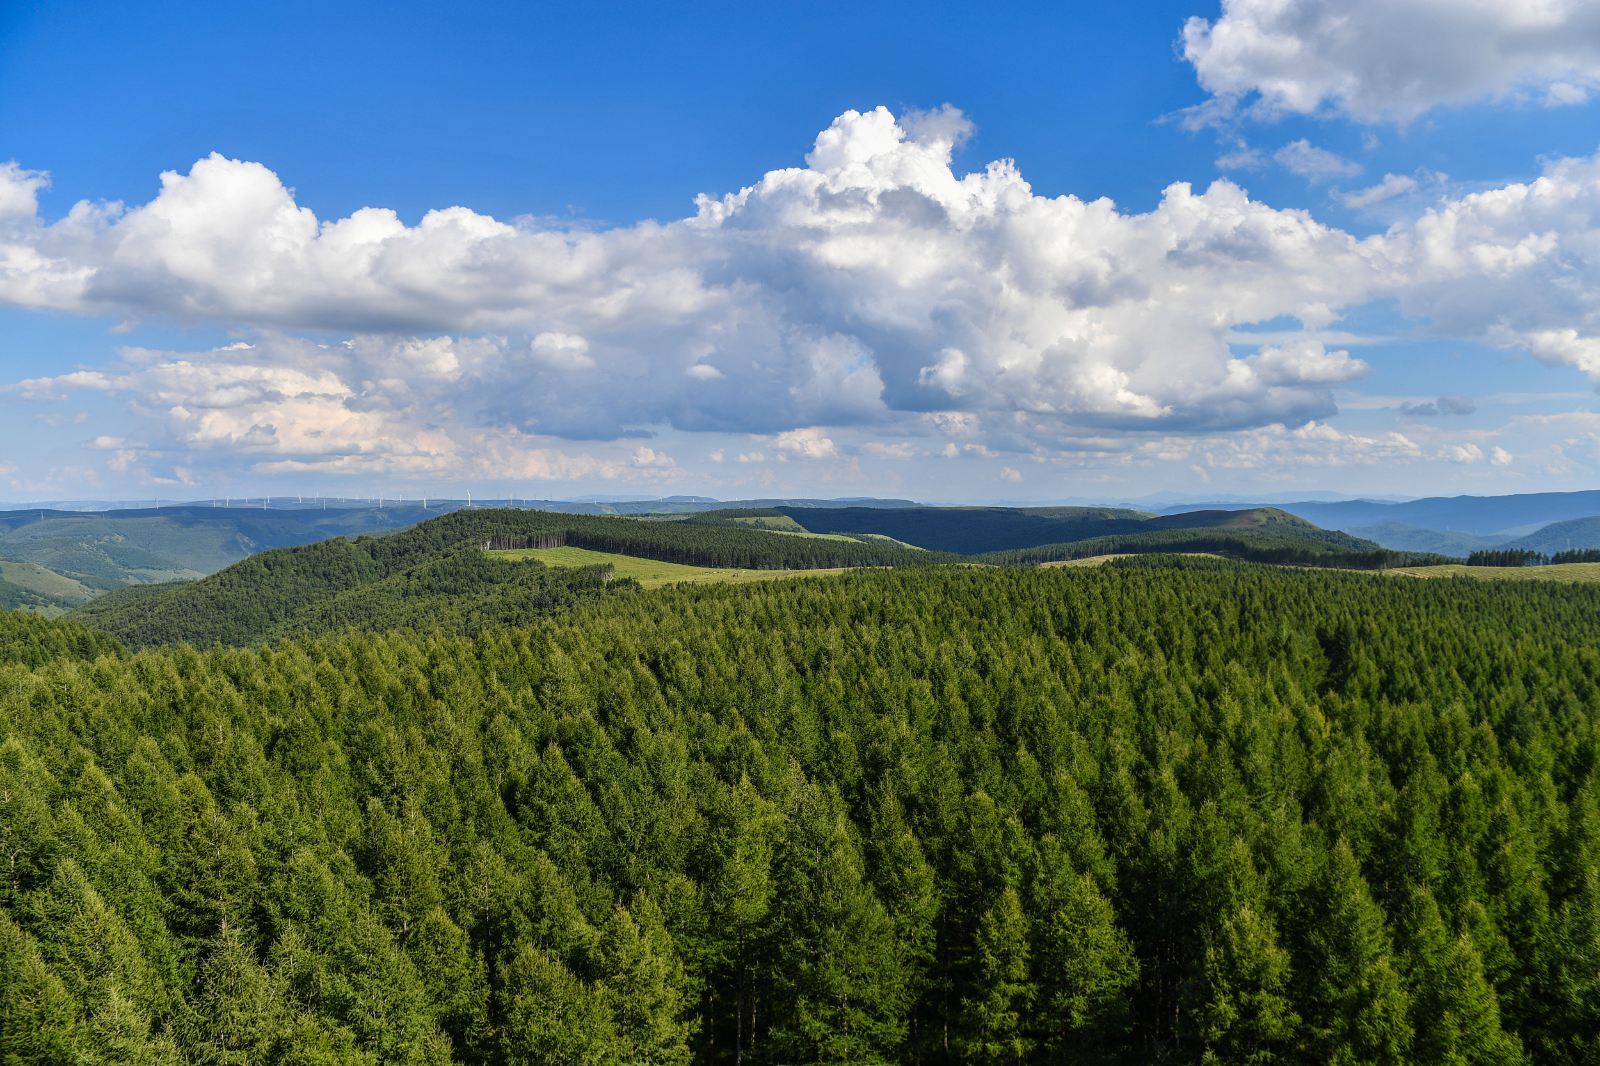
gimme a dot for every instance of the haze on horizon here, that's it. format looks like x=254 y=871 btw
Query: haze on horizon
x=1193 y=249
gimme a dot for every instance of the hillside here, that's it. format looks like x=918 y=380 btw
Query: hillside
x=1264 y=544
x=1192 y=813
x=1401 y=537
x=649 y=573
x=111 y=549
x=1559 y=536
x=33 y=587
x=1579 y=573
x=436 y=575
x=981 y=530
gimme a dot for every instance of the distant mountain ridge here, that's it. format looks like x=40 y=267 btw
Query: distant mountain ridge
x=1478 y=515
x=1571 y=535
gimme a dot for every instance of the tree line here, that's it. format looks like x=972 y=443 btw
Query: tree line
x=1245 y=545
x=1192 y=812
x=1528 y=557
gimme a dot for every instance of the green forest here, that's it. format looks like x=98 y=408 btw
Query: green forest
x=1163 y=810
x=435 y=576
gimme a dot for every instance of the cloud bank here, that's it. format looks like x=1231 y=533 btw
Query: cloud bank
x=875 y=286
x=1393 y=60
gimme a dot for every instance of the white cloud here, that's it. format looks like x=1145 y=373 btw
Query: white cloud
x=897 y=450
x=372 y=405
x=1302 y=362
x=1242 y=157
x=1011 y=474
x=874 y=287
x=1392 y=60
x=1518 y=265
x=808 y=443
x=19 y=191
x=1461 y=453
x=870 y=281
x=1391 y=186
x=1315 y=444
x=1306 y=160
x=562 y=351
x=650 y=458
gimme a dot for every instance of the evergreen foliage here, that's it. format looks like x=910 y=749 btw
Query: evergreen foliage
x=1248 y=545
x=1510 y=557
x=980 y=530
x=1150 y=812
x=434 y=576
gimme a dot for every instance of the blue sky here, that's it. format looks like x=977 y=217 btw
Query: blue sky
x=1382 y=276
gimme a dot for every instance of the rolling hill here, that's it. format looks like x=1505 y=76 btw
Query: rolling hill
x=1401 y=537
x=982 y=530
x=1560 y=536
x=439 y=576
x=110 y=549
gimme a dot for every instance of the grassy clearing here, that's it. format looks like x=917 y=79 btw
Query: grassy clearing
x=884 y=538
x=777 y=522
x=1581 y=573
x=652 y=573
x=45 y=582
x=1101 y=560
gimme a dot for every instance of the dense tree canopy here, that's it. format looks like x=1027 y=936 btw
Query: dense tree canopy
x=1189 y=813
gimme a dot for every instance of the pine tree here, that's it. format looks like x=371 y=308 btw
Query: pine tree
x=1455 y=1012
x=38 y=1018
x=1084 y=965
x=1246 y=1014
x=550 y=1018
x=1359 y=1006
x=995 y=1028
x=642 y=982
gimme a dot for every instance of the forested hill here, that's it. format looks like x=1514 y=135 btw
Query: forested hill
x=1244 y=545
x=52 y=560
x=980 y=530
x=1153 y=813
x=435 y=576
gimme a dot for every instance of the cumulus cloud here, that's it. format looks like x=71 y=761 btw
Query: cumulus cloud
x=1517 y=265
x=1461 y=453
x=874 y=286
x=872 y=280
x=808 y=443
x=372 y=405
x=1392 y=60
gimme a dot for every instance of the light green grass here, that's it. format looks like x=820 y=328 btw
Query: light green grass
x=45 y=582
x=652 y=573
x=884 y=538
x=778 y=522
x=1581 y=573
x=1101 y=560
